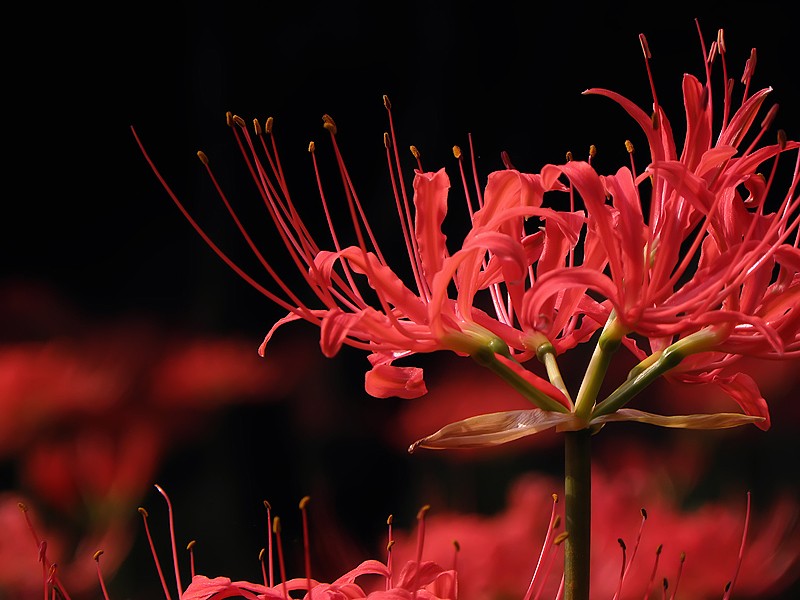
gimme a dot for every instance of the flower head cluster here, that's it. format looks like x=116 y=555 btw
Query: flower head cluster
x=686 y=264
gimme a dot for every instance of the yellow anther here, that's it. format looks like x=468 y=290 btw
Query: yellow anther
x=555 y=497
x=389 y=545
x=721 y=41
x=311 y=146
x=560 y=538
x=229 y=118
x=592 y=151
x=557 y=522
x=202 y=156
x=389 y=519
x=191 y=544
x=329 y=124
x=456 y=151
x=414 y=151
x=645 y=47
x=386 y=102
x=387 y=141
x=422 y=511
x=569 y=156
x=261 y=554
x=143 y=512
x=22 y=507
x=238 y=120
x=97 y=555
x=276 y=525
x=629 y=146
x=257 y=126
x=304 y=502
x=268 y=124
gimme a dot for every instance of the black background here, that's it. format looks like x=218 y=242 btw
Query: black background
x=83 y=213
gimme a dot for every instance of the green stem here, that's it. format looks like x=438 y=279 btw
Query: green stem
x=598 y=366
x=578 y=513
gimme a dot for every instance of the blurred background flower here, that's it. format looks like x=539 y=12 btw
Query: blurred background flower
x=128 y=350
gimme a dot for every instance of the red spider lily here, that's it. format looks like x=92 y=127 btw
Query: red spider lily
x=741 y=298
x=364 y=303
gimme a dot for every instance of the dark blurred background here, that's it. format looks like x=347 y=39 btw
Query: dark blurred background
x=90 y=239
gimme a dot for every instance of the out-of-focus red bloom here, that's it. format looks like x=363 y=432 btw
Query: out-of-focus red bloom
x=89 y=410
x=497 y=552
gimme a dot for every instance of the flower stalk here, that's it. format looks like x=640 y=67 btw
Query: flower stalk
x=577 y=513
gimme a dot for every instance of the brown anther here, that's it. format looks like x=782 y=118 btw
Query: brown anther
x=422 y=511
x=644 y=513
x=782 y=139
x=569 y=156
x=665 y=583
x=659 y=549
x=457 y=545
x=191 y=545
x=592 y=151
x=557 y=522
x=555 y=497
x=329 y=124
x=276 y=525
x=267 y=505
x=456 y=151
x=257 y=127
x=728 y=586
x=629 y=146
x=654 y=120
x=304 y=502
x=268 y=124
x=239 y=121
x=386 y=102
x=770 y=116
x=261 y=554
x=143 y=512
x=683 y=556
x=621 y=543
x=414 y=151
x=202 y=156
x=229 y=118
x=645 y=47
x=389 y=545
x=387 y=140
x=22 y=507
x=97 y=555
x=389 y=519
x=560 y=538
x=312 y=146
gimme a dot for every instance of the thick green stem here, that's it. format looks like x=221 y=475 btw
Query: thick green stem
x=578 y=513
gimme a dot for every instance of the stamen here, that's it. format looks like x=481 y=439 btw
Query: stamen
x=389 y=544
x=623 y=568
x=144 y=514
x=592 y=153
x=190 y=549
x=545 y=552
x=96 y=557
x=306 y=551
x=507 y=161
x=647 y=57
x=269 y=544
x=276 y=529
x=653 y=573
x=678 y=576
x=420 y=543
x=732 y=583
x=415 y=153
x=172 y=539
x=263 y=568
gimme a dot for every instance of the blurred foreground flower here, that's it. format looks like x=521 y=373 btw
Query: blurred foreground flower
x=88 y=413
